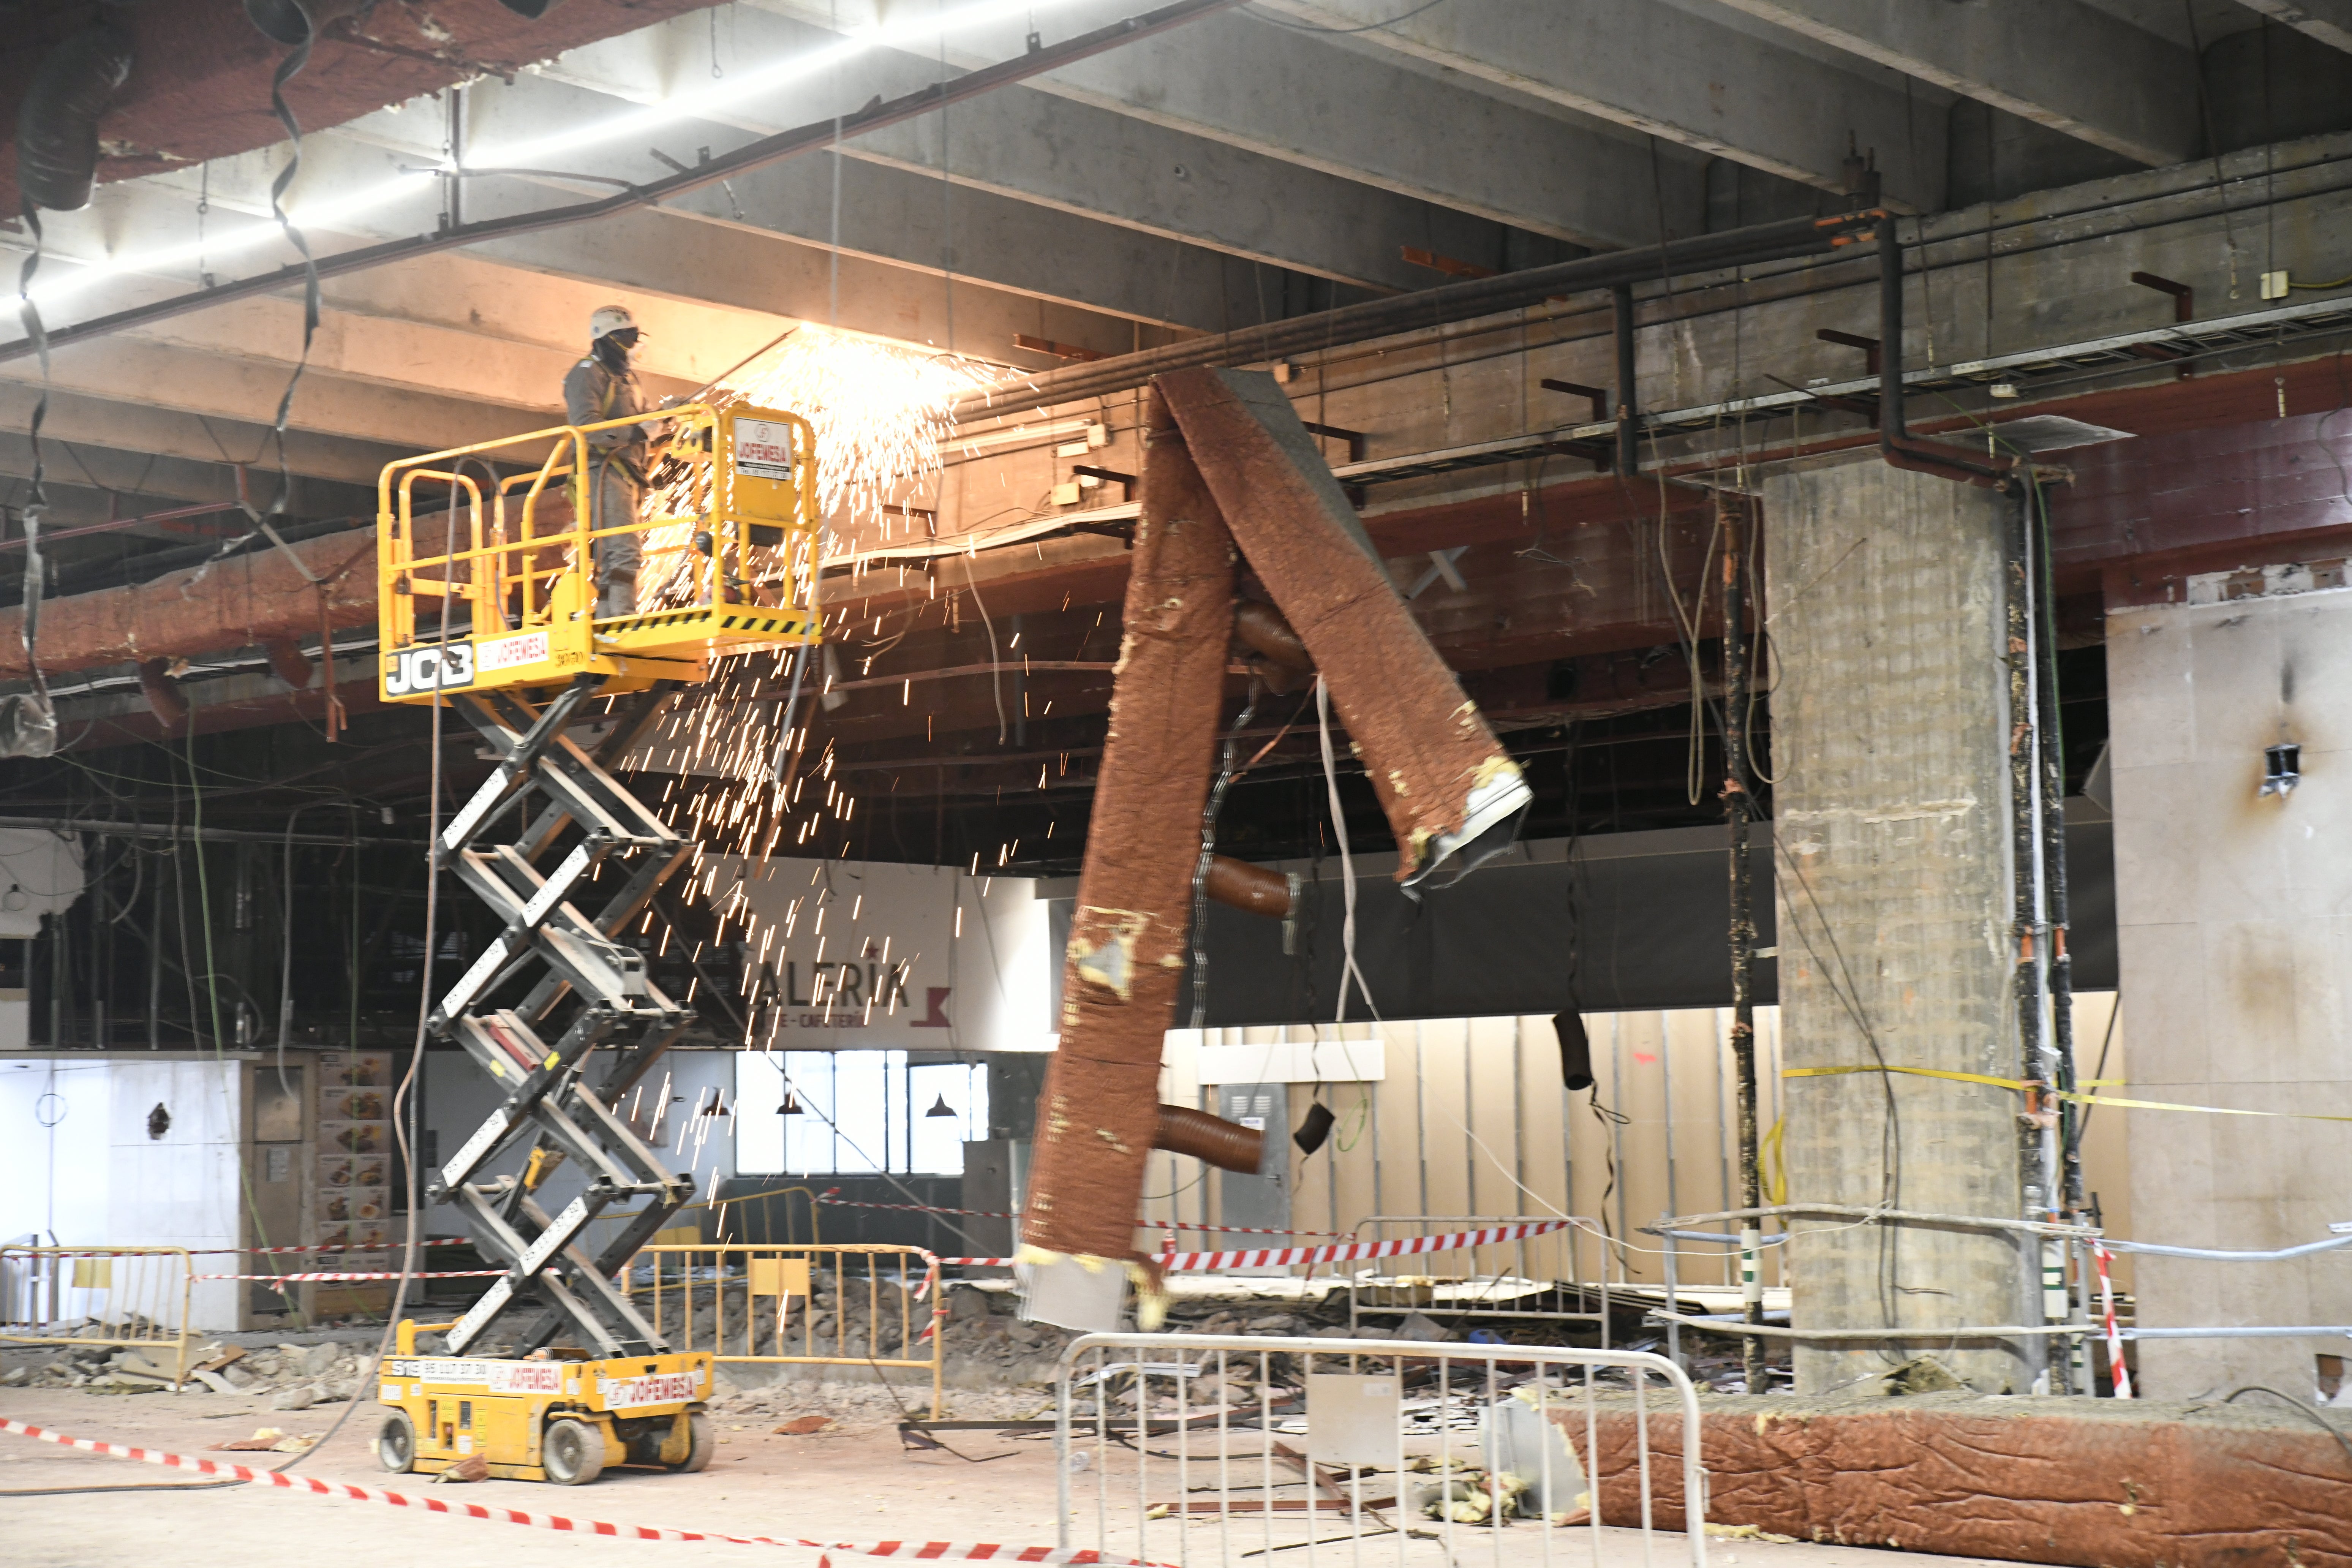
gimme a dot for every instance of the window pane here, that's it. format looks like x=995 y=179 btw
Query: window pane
x=759 y=1131
x=938 y=1140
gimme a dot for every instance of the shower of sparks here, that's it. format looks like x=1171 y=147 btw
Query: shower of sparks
x=743 y=787
x=880 y=415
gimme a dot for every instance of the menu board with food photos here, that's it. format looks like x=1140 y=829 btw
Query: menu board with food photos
x=352 y=1200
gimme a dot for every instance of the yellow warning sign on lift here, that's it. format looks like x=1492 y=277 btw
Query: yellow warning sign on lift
x=487 y=555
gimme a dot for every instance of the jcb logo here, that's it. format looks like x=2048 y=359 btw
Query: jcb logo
x=416 y=670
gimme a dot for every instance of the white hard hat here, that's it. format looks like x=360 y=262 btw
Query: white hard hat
x=611 y=319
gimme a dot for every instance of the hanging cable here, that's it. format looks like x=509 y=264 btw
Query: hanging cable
x=1347 y=969
x=1209 y=810
x=28 y=722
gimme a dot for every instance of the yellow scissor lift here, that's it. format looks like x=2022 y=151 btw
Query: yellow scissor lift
x=581 y=1380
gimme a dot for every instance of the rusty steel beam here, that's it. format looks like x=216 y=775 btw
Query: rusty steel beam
x=1446 y=783
x=1100 y=1112
x=260 y=597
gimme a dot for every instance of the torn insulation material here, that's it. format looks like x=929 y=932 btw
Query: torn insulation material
x=1100 y=1112
x=1452 y=794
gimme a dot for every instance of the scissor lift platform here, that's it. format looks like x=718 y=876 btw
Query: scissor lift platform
x=508 y=565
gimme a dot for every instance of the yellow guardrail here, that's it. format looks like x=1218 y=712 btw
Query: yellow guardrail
x=726 y=558
x=132 y=1298
x=847 y=1304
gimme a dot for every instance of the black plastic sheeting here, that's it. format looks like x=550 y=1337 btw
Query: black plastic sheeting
x=1618 y=922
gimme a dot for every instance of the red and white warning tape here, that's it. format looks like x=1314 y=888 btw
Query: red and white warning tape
x=937 y=1551
x=320 y=1279
x=256 y=1251
x=1400 y=1246
x=826 y=1199
x=2115 y=1367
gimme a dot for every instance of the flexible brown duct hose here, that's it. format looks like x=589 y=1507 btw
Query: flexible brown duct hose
x=1227 y=1145
x=1249 y=888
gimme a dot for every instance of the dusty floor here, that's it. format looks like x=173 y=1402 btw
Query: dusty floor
x=852 y=1483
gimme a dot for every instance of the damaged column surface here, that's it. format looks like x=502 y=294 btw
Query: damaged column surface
x=1225 y=451
x=1100 y=1111
x=1891 y=731
x=1450 y=791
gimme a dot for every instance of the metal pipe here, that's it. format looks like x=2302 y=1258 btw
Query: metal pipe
x=171 y=514
x=1785 y=240
x=1716 y=1237
x=1629 y=417
x=1966 y=1332
x=2254 y=1332
x=2036 y=1154
x=2053 y=851
x=101 y=829
x=2218 y=1255
x=1856 y=1211
x=2061 y=1166
x=1731 y=512
x=1895 y=442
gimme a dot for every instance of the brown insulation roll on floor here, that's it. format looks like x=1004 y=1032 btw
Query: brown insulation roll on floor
x=2120 y=1484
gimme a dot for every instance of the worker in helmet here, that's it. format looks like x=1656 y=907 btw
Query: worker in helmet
x=600 y=387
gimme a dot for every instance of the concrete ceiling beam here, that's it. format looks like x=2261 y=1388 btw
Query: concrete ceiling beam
x=1058 y=152
x=729 y=278
x=889 y=210
x=74 y=503
x=202 y=382
x=131 y=426
x=149 y=481
x=2032 y=57
x=1656 y=67
x=2329 y=21
x=1363 y=117
x=912 y=234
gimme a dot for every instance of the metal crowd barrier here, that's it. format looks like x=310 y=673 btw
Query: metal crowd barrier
x=845 y=1304
x=1536 y=1277
x=132 y=1298
x=1207 y=1450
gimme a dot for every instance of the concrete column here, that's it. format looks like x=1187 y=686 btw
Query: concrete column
x=2234 y=921
x=1890 y=730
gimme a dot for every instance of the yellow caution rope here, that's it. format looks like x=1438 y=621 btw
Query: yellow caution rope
x=2021 y=1087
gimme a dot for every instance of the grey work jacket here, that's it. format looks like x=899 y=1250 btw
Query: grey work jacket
x=592 y=395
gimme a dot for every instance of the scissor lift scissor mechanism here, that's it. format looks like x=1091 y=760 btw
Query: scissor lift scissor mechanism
x=585 y=1380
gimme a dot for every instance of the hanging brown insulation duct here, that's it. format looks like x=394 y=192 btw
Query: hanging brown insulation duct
x=1100 y=1112
x=1225 y=461
x=56 y=124
x=1450 y=789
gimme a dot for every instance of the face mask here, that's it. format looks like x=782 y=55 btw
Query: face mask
x=612 y=352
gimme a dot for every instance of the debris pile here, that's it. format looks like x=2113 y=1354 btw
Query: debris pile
x=292 y=1376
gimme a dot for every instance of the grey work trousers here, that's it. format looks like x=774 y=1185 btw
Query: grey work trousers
x=615 y=500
